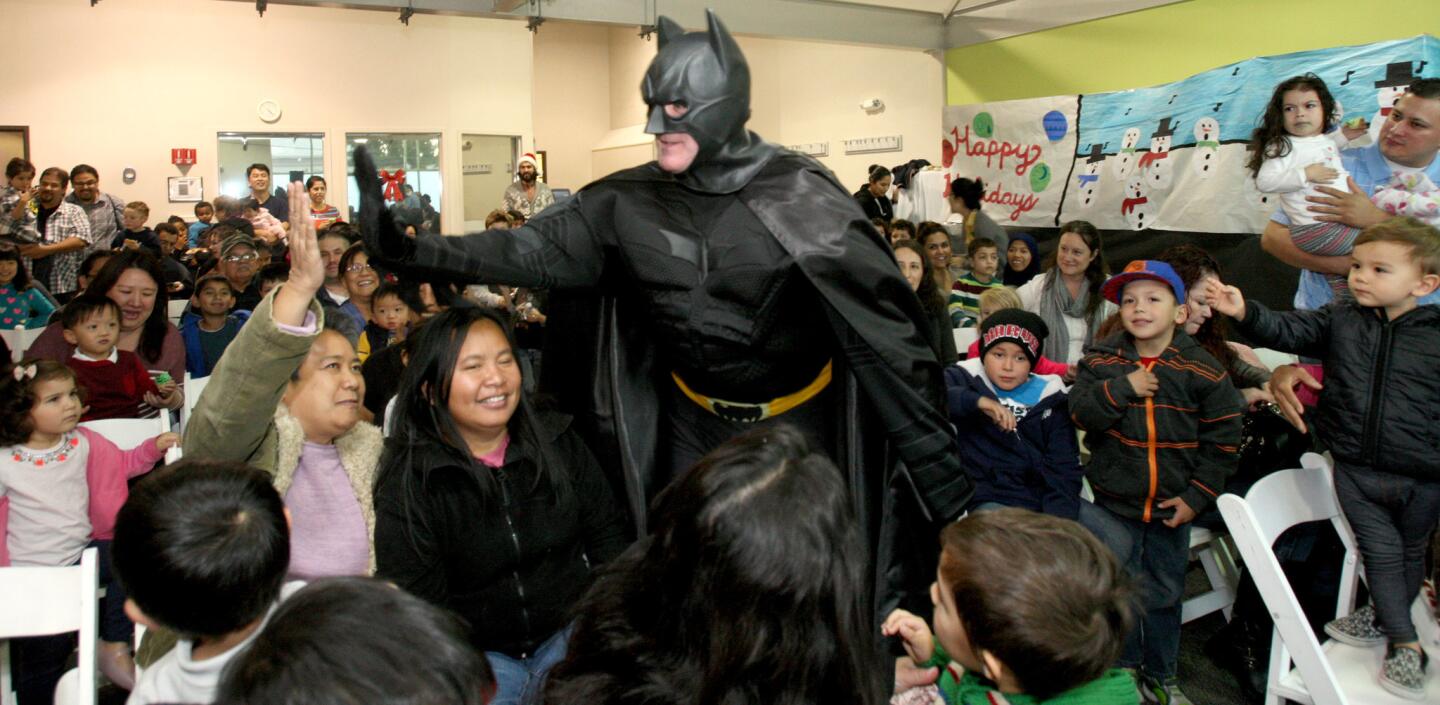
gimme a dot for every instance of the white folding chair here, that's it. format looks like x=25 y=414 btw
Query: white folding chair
x=1323 y=674
x=18 y=339
x=1275 y=358
x=193 y=387
x=1218 y=559
x=175 y=308
x=964 y=337
x=41 y=601
x=128 y=433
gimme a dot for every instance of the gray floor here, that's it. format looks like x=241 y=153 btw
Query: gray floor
x=1200 y=678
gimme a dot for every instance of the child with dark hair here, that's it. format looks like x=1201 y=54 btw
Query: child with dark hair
x=116 y=383
x=749 y=589
x=202 y=550
x=320 y=646
x=392 y=315
x=208 y=334
x=1162 y=421
x=20 y=303
x=901 y=229
x=267 y=227
x=1045 y=629
x=204 y=218
x=271 y=276
x=1016 y=439
x=62 y=485
x=1295 y=149
x=964 y=302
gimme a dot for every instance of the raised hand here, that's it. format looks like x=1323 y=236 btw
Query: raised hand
x=307 y=271
x=382 y=237
x=1225 y=299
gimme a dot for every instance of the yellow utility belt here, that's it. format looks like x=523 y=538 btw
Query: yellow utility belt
x=751 y=412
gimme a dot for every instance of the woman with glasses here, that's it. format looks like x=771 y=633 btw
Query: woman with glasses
x=361 y=281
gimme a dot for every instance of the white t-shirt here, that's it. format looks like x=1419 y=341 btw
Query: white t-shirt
x=49 y=502
x=1285 y=176
x=178 y=678
x=1030 y=294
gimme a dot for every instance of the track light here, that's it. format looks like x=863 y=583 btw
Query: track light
x=405 y=14
x=534 y=24
x=260 y=6
x=646 y=30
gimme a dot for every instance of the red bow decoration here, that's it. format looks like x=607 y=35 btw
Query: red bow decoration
x=393 y=182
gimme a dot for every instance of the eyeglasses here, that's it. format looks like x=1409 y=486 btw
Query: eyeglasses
x=242 y=258
x=357 y=268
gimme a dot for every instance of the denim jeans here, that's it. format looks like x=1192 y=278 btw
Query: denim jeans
x=1155 y=556
x=1393 y=517
x=519 y=680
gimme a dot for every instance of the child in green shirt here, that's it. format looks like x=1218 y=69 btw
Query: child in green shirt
x=1030 y=609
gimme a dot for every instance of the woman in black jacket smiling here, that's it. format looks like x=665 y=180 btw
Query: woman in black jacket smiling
x=488 y=506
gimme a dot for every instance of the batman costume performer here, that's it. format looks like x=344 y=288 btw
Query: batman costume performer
x=748 y=289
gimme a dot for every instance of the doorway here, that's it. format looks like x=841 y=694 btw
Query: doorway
x=487 y=167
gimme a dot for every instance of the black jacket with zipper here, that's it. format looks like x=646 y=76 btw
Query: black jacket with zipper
x=1380 y=407
x=512 y=565
x=1180 y=442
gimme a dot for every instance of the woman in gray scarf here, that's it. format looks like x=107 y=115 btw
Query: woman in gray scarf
x=1068 y=297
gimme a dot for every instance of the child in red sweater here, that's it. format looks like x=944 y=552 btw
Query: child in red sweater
x=116 y=383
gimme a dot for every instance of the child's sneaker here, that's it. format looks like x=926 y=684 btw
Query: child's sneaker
x=1167 y=693
x=1357 y=629
x=1403 y=672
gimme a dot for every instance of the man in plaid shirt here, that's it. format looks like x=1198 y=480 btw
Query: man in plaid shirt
x=60 y=232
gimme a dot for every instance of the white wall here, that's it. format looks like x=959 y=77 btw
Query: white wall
x=572 y=99
x=118 y=85
x=802 y=92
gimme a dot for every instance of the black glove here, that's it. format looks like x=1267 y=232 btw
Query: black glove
x=382 y=237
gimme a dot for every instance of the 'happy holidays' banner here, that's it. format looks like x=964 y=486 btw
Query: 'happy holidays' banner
x=1170 y=156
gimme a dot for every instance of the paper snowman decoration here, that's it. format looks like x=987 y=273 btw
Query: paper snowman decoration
x=1156 y=164
x=1125 y=159
x=1206 y=155
x=1089 y=178
x=1398 y=77
x=1135 y=206
x=1262 y=200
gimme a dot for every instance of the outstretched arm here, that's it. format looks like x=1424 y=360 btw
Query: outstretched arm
x=558 y=248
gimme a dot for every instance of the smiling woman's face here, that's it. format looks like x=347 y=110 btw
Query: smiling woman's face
x=326 y=397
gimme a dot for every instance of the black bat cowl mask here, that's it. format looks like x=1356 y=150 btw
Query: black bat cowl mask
x=705 y=72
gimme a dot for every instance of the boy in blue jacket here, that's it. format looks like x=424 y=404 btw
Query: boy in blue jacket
x=1016 y=439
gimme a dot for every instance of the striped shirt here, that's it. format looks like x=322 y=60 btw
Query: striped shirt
x=325 y=216
x=66 y=222
x=105 y=214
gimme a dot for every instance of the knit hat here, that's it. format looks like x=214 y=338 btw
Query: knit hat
x=234 y=241
x=1154 y=270
x=1014 y=325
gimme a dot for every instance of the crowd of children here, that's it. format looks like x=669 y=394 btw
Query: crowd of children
x=1087 y=608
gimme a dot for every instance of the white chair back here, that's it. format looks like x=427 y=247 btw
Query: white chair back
x=18 y=340
x=964 y=337
x=40 y=601
x=175 y=308
x=194 y=386
x=1328 y=674
x=1275 y=358
x=128 y=433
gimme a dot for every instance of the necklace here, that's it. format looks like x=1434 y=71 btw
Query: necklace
x=68 y=443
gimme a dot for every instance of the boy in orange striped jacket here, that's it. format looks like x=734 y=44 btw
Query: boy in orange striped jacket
x=1162 y=421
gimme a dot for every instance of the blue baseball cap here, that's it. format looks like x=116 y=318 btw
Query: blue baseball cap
x=1143 y=269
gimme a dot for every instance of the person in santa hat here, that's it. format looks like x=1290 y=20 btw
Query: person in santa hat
x=528 y=195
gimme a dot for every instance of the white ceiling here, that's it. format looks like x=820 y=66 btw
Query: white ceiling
x=937 y=6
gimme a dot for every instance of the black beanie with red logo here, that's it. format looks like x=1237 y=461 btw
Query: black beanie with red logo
x=1014 y=325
